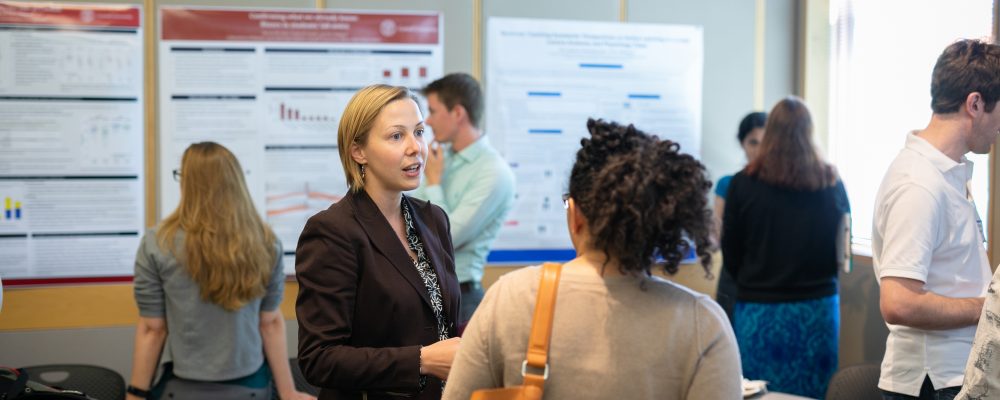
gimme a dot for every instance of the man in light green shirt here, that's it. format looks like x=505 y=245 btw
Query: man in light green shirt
x=467 y=178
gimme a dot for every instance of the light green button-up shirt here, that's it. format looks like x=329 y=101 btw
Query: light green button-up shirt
x=477 y=192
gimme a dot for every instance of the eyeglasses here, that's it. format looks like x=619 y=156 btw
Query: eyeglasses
x=565 y=198
x=177 y=175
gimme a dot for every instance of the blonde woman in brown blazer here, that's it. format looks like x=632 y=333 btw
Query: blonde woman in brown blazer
x=378 y=297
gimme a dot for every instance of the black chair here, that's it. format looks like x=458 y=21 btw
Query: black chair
x=94 y=381
x=857 y=382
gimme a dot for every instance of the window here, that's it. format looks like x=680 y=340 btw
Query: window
x=882 y=56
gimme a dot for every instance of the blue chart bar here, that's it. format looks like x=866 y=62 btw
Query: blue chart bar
x=545 y=131
x=645 y=96
x=557 y=255
x=544 y=94
x=604 y=66
x=530 y=256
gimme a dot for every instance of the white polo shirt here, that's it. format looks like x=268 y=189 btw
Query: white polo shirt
x=926 y=228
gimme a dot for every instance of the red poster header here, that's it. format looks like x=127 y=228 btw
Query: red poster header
x=298 y=26
x=69 y=15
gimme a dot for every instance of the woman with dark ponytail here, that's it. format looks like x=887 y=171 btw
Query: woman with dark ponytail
x=635 y=202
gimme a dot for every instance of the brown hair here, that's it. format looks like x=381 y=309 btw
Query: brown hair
x=229 y=251
x=358 y=119
x=787 y=156
x=642 y=198
x=964 y=67
x=459 y=89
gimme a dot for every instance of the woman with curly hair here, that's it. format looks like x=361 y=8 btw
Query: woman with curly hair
x=618 y=331
x=784 y=213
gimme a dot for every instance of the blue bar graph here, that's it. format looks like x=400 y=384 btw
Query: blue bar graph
x=11 y=209
x=540 y=255
x=545 y=131
x=557 y=255
x=602 y=66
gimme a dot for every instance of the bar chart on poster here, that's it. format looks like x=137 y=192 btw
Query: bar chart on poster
x=71 y=140
x=271 y=85
x=546 y=77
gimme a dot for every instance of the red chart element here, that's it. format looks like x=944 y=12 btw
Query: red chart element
x=286 y=113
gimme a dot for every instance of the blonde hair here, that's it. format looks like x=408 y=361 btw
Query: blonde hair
x=358 y=119
x=229 y=251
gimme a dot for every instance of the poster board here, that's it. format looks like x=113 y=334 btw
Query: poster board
x=271 y=85
x=71 y=141
x=544 y=78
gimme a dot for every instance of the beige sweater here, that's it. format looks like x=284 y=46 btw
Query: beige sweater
x=613 y=338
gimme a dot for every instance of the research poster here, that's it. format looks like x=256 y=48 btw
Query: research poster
x=271 y=85
x=71 y=140
x=546 y=77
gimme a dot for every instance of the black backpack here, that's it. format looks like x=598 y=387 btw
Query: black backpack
x=14 y=384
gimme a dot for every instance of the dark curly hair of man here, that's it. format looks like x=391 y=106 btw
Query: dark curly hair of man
x=643 y=198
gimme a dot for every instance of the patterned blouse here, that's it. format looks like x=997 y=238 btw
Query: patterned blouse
x=427 y=274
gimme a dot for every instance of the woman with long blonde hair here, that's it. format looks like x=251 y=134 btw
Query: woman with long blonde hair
x=208 y=283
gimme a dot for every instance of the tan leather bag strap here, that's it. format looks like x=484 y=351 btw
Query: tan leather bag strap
x=541 y=327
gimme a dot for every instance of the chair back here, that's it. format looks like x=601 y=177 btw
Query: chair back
x=94 y=381
x=857 y=382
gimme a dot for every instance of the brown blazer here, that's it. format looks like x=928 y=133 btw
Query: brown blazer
x=363 y=310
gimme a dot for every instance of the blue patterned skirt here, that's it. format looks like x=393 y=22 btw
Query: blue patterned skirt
x=791 y=345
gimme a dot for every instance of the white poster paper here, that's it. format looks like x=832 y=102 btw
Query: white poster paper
x=71 y=141
x=271 y=85
x=546 y=77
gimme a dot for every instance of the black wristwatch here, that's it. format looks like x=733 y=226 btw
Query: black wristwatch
x=145 y=394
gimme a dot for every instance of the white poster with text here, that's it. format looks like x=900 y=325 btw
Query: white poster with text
x=71 y=141
x=271 y=85
x=546 y=77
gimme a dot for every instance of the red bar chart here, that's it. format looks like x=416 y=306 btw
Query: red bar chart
x=287 y=113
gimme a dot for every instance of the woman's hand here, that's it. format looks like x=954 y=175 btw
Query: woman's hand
x=435 y=360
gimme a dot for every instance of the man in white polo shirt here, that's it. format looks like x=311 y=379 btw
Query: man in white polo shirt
x=927 y=239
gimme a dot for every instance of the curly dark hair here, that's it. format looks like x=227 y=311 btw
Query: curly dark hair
x=642 y=198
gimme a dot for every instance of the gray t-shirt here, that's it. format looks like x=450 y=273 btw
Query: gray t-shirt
x=622 y=337
x=204 y=341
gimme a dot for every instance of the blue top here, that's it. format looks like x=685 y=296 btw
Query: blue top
x=722 y=187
